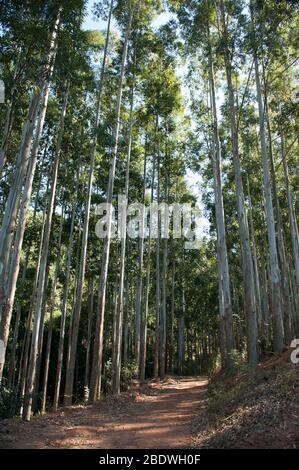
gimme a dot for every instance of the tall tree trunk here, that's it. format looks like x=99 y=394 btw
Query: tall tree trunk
x=89 y=332
x=12 y=366
x=284 y=269
x=172 y=313
x=26 y=346
x=143 y=342
x=43 y=266
x=14 y=269
x=40 y=342
x=223 y=269
x=181 y=330
x=247 y=265
x=158 y=290
x=73 y=302
x=8 y=221
x=139 y=314
x=278 y=330
x=64 y=303
x=68 y=392
x=291 y=211
x=116 y=353
x=96 y=370
x=51 y=320
x=8 y=226
x=38 y=103
x=163 y=322
x=255 y=261
x=126 y=324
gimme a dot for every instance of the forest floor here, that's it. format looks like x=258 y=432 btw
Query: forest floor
x=244 y=410
x=158 y=415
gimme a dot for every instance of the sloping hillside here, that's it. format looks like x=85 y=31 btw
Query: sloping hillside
x=252 y=410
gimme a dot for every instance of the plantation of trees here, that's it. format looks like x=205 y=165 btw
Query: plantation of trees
x=170 y=102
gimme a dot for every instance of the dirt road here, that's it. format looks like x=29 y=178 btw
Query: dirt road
x=158 y=416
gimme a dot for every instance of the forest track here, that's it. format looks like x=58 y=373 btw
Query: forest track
x=158 y=416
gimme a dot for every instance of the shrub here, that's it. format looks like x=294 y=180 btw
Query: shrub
x=128 y=374
x=10 y=403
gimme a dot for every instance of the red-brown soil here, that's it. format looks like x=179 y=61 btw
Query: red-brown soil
x=242 y=410
x=157 y=416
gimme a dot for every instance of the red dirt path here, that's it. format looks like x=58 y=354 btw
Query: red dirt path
x=158 y=417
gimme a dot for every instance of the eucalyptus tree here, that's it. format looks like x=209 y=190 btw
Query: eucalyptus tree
x=41 y=284
x=247 y=263
x=24 y=37
x=273 y=49
x=116 y=353
x=95 y=379
x=39 y=102
x=77 y=143
x=51 y=319
x=211 y=92
x=278 y=331
x=79 y=291
x=200 y=37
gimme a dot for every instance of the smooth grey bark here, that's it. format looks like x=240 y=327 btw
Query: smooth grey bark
x=12 y=360
x=284 y=268
x=51 y=320
x=163 y=320
x=158 y=287
x=24 y=272
x=43 y=266
x=172 y=313
x=116 y=351
x=40 y=341
x=247 y=264
x=255 y=259
x=64 y=303
x=12 y=275
x=89 y=334
x=26 y=346
x=46 y=365
x=181 y=332
x=114 y=308
x=143 y=342
x=68 y=392
x=10 y=288
x=96 y=370
x=293 y=299
x=164 y=310
x=225 y=306
x=73 y=303
x=139 y=325
x=265 y=303
x=291 y=211
x=9 y=221
x=38 y=105
x=125 y=343
x=278 y=329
